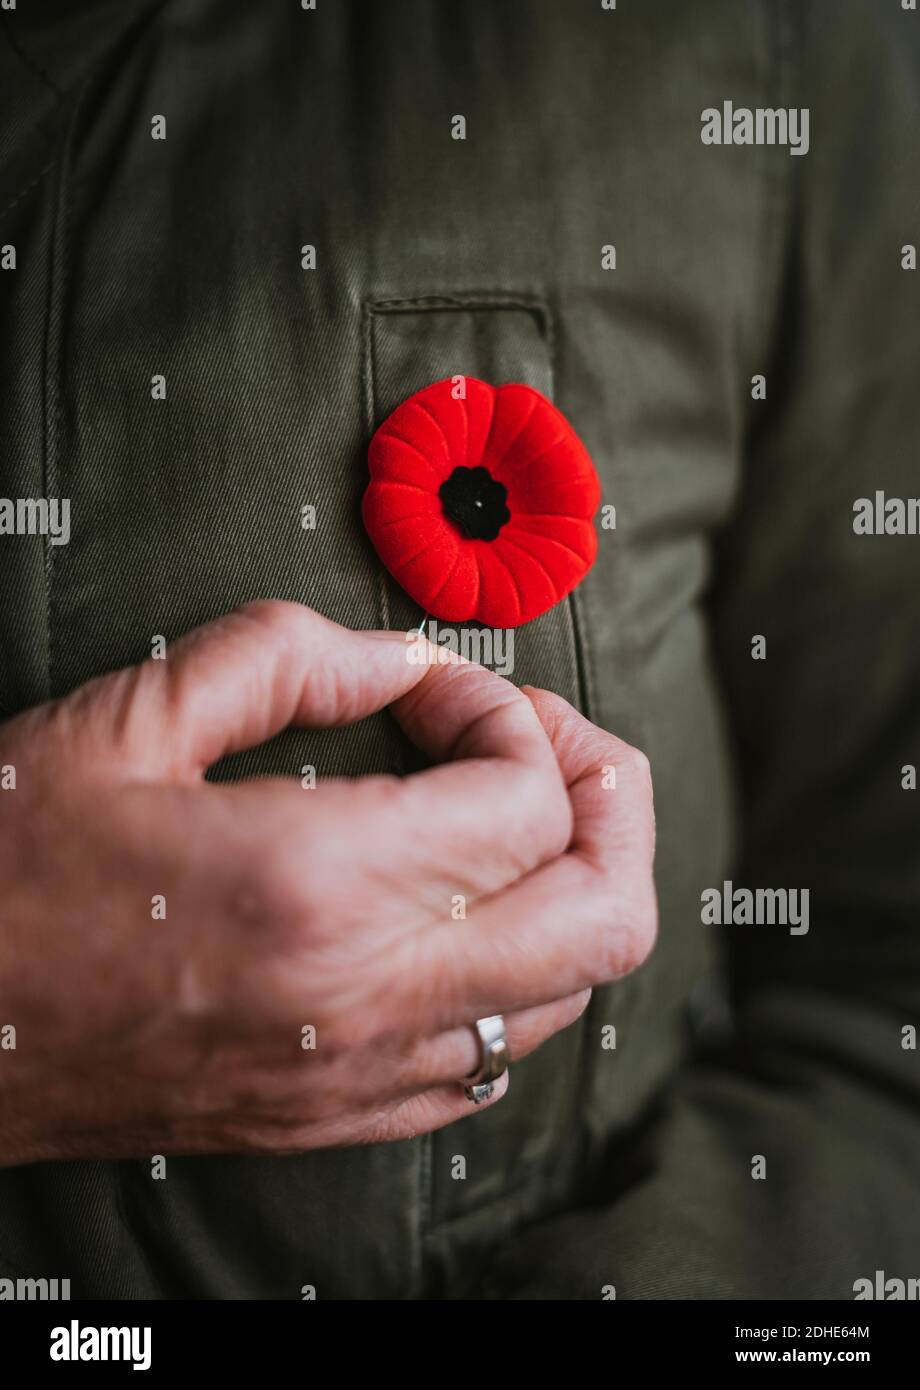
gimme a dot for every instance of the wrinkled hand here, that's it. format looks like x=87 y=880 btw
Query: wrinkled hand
x=289 y=909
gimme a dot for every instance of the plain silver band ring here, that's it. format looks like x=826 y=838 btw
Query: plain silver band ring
x=494 y=1058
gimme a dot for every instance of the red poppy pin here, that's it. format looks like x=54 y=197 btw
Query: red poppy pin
x=481 y=505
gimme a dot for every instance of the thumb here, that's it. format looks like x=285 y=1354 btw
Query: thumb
x=234 y=683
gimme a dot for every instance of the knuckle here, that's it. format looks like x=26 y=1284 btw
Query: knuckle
x=387 y=1126
x=632 y=761
x=101 y=721
x=388 y=797
x=267 y=612
x=624 y=920
x=35 y=736
x=641 y=766
x=640 y=769
x=276 y=889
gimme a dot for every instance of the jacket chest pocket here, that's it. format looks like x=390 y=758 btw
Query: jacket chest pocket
x=511 y=1153
x=410 y=343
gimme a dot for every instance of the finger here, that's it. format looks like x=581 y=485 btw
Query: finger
x=237 y=681
x=470 y=713
x=429 y=1111
x=465 y=828
x=495 y=806
x=401 y=1119
x=385 y=1073
x=587 y=917
x=595 y=765
x=455 y=1054
x=383 y=1123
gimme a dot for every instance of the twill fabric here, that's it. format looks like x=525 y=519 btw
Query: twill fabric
x=484 y=257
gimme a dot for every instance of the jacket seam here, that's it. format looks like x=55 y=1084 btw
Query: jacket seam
x=777 y=180
x=369 y=372
x=51 y=371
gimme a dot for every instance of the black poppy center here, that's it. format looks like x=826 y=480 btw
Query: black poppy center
x=475 y=502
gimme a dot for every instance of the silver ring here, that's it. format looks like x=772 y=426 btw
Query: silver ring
x=494 y=1058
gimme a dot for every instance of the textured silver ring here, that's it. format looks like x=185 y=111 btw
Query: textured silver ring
x=493 y=1060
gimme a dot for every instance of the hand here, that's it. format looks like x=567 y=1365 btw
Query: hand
x=288 y=909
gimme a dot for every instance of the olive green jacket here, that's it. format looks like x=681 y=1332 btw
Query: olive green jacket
x=776 y=763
